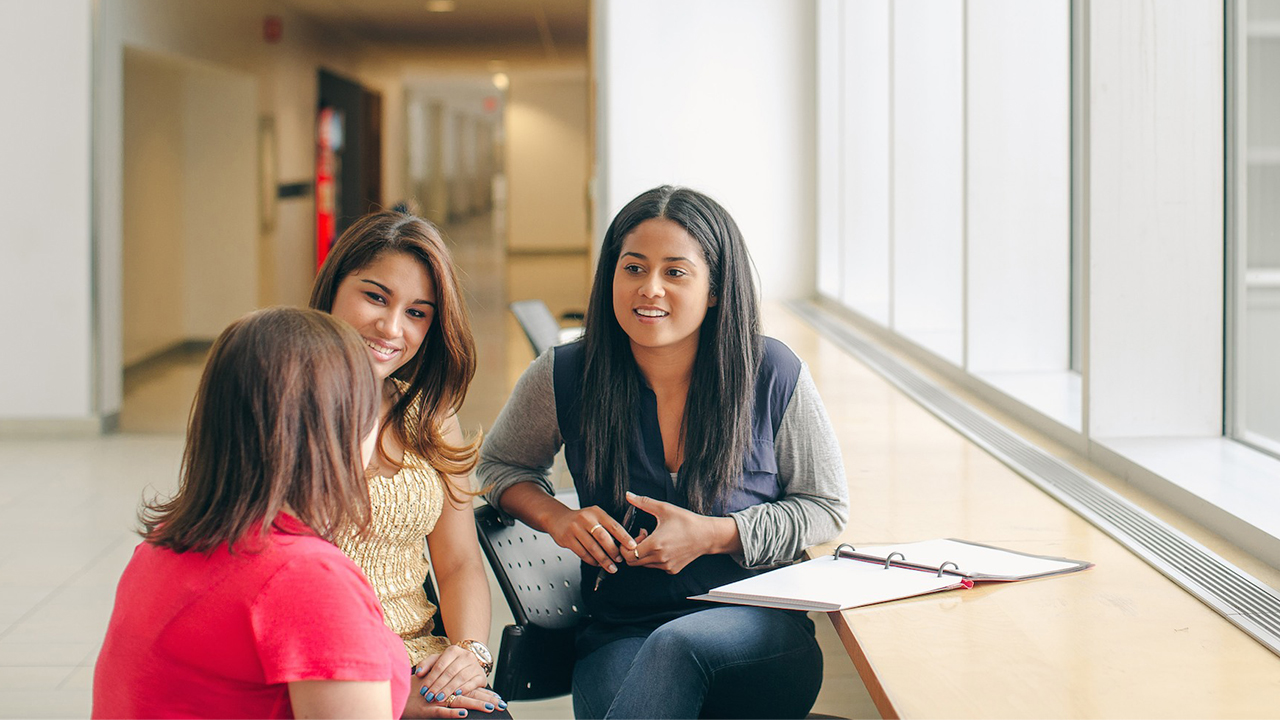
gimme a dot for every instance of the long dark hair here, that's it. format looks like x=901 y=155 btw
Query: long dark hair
x=717 y=418
x=286 y=398
x=440 y=373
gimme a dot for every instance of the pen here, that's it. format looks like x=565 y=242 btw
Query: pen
x=626 y=525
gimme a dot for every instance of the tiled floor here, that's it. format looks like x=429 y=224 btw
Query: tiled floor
x=67 y=512
x=68 y=507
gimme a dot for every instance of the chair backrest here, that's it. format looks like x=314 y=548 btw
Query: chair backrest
x=539 y=579
x=541 y=583
x=538 y=323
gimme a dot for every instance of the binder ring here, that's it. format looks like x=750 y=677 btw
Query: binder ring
x=842 y=546
x=889 y=560
x=944 y=565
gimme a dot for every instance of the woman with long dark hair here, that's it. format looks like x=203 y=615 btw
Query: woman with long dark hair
x=237 y=604
x=392 y=278
x=701 y=454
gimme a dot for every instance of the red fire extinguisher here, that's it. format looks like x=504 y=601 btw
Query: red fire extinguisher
x=328 y=168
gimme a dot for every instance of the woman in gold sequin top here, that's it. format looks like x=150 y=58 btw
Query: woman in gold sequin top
x=391 y=277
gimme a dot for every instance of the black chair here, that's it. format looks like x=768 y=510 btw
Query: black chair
x=540 y=581
x=538 y=323
x=540 y=326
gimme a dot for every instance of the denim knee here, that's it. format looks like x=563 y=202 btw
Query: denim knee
x=674 y=643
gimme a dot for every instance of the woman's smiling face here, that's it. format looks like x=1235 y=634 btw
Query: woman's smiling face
x=661 y=286
x=391 y=302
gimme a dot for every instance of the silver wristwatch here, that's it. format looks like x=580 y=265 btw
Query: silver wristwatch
x=481 y=652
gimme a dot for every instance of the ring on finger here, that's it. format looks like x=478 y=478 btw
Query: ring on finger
x=448 y=702
x=592 y=531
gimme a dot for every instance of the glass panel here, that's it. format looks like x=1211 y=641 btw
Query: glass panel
x=928 y=175
x=1263 y=100
x=1254 y=415
x=1263 y=241
x=1263 y=10
x=865 y=159
x=1260 y=391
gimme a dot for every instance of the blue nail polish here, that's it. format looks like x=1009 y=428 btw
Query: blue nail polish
x=488 y=706
x=458 y=691
x=440 y=697
x=423 y=693
x=462 y=713
x=502 y=704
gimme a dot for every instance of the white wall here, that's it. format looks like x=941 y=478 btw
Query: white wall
x=153 y=198
x=1155 y=233
x=190 y=208
x=46 y=369
x=717 y=95
x=830 y=251
x=546 y=161
x=220 y=202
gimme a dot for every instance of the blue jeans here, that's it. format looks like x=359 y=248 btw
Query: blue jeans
x=724 y=662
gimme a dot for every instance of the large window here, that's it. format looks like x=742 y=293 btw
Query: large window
x=945 y=206
x=1253 y=342
x=1031 y=196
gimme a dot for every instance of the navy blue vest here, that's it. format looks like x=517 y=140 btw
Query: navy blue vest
x=643 y=595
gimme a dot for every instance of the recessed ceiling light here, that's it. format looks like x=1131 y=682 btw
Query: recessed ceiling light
x=441 y=5
x=501 y=81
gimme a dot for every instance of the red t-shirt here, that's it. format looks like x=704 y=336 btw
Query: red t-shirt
x=221 y=635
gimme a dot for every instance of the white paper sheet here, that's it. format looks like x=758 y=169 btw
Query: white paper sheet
x=827 y=584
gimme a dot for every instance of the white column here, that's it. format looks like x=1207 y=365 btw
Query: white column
x=48 y=371
x=727 y=106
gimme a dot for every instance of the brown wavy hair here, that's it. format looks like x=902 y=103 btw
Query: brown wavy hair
x=286 y=398
x=437 y=377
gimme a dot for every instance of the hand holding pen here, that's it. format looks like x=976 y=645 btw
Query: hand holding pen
x=627 y=517
x=593 y=535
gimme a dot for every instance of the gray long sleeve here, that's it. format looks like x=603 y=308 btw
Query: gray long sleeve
x=523 y=441
x=815 y=504
x=522 y=444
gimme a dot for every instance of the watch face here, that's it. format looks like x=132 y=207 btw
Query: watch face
x=481 y=651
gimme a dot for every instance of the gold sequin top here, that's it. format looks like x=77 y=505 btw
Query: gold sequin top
x=405 y=508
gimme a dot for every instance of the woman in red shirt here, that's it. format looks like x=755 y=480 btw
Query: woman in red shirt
x=237 y=604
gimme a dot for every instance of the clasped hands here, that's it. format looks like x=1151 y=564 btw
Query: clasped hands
x=680 y=537
x=451 y=684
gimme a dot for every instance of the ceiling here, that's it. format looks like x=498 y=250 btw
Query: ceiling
x=551 y=24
